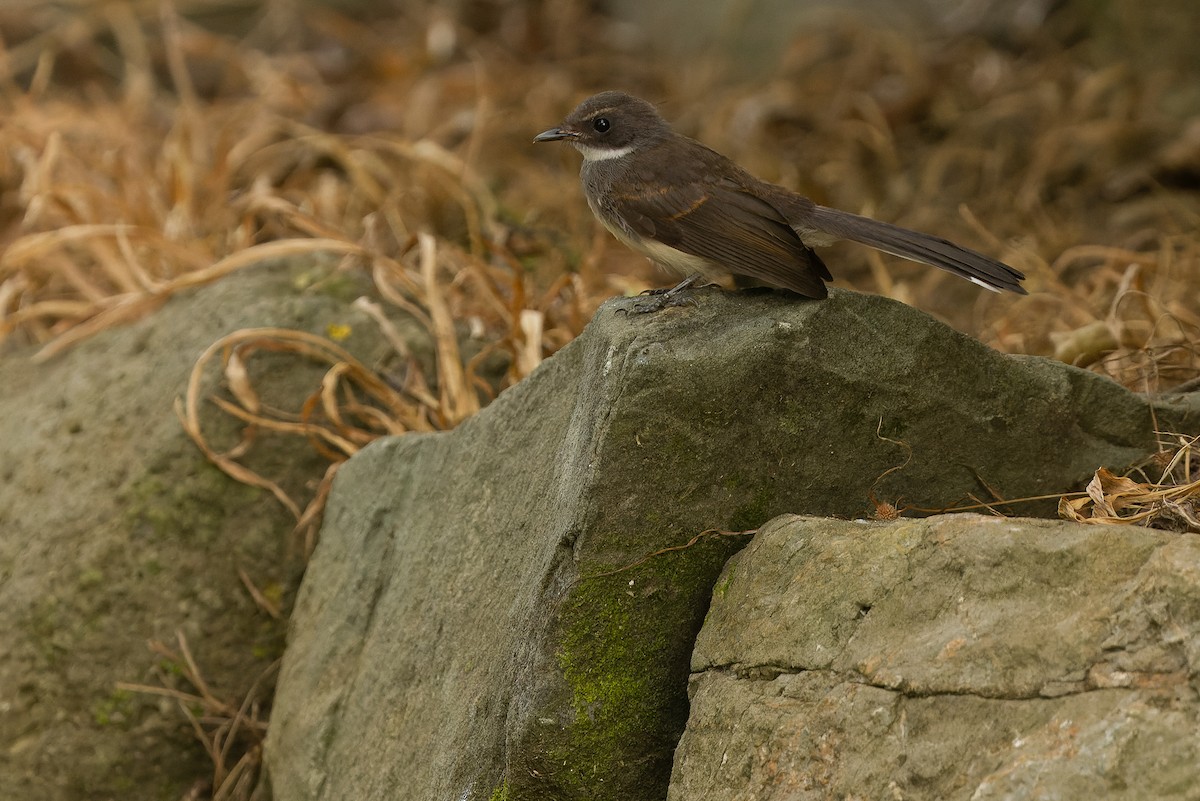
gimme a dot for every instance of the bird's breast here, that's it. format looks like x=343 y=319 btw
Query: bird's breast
x=599 y=179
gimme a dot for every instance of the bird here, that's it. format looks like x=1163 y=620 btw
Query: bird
x=699 y=214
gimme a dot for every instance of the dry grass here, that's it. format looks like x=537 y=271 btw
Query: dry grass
x=187 y=154
x=1168 y=500
x=231 y=732
x=123 y=194
x=143 y=153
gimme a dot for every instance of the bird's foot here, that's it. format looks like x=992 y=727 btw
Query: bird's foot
x=648 y=304
x=655 y=300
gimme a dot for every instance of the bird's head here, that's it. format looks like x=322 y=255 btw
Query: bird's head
x=609 y=125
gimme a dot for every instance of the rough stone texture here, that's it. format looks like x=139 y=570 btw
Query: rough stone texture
x=957 y=657
x=114 y=530
x=466 y=626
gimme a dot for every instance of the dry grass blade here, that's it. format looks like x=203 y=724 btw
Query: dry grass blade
x=319 y=434
x=712 y=533
x=458 y=399
x=264 y=603
x=530 y=355
x=238 y=381
x=118 y=312
x=258 y=254
x=310 y=521
x=386 y=326
x=191 y=424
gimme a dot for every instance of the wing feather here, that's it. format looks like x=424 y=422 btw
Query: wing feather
x=723 y=224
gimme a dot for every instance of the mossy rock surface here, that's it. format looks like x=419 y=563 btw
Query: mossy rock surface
x=115 y=530
x=513 y=604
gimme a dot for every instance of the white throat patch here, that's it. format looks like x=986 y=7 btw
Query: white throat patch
x=602 y=153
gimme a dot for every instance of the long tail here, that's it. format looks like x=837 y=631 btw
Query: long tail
x=975 y=267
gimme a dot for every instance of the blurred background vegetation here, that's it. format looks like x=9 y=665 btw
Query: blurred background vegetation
x=142 y=142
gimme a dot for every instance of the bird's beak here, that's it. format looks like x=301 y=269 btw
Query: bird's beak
x=554 y=134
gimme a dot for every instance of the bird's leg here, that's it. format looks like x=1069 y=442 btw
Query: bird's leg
x=659 y=299
x=684 y=284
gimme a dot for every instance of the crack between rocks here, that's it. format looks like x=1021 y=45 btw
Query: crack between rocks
x=768 y=672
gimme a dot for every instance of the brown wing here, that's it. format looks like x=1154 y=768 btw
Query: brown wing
x=716 y=219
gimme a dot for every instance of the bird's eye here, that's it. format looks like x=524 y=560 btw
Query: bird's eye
x=602 y=124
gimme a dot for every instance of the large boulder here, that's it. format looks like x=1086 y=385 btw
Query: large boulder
x=957 y=657
x=508 y=609
x=114 y=530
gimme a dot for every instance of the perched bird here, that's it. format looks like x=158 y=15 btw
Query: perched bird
x=694 y=211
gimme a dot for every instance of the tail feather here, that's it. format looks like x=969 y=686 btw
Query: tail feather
x=913 y=245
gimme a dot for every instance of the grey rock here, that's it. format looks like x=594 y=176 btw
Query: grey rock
x=493 y=610
x=114 y=530
x=956 y=657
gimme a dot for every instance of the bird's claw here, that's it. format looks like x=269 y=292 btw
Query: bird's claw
x=659 y=301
